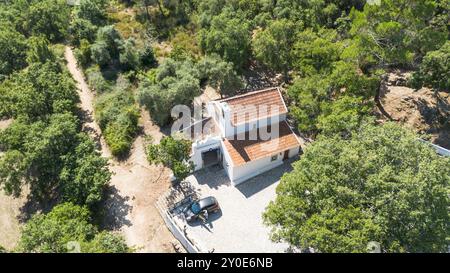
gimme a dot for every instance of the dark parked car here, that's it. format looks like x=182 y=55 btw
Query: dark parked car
x=198 y=208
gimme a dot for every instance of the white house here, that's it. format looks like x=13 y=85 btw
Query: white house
x=245 y=134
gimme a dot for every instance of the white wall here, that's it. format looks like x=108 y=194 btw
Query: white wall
x=226 y=161
x=224 y=119
x=294 y=151
x=203 y=146
x=243 y=172
x=214 y=110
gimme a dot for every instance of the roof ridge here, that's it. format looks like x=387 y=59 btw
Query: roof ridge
x=250 y=93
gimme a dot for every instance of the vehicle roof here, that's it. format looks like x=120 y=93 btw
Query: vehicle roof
x=208 y=201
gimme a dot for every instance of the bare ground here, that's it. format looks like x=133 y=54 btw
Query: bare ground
x=10 y=212
x=135 y=184
x=423 y=110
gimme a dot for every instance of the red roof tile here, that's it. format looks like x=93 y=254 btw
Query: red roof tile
x=243 y=151
x=255 y=105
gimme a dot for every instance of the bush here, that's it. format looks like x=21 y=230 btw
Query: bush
x=83 y=53
x=147 y=56
x=435 y=69
x=13 y=50
x=175 y=83
x=96 y=80
x=129 y=57
x=118 y=118
x=100 y=53
x=65 y=223
x=81 y=29
x=172 y=153
x=49 y=18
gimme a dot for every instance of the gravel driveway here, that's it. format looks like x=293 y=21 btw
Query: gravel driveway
x=239 y=227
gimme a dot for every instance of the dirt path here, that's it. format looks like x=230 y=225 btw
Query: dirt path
x=135 y=185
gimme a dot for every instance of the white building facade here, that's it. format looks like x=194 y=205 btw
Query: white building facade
x=246 y=134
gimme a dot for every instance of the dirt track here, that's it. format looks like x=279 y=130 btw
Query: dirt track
x=135 y=185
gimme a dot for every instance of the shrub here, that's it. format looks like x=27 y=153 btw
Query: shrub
x=147 y=56
x=435 y=69
x=129 y=57
x=83 y=53
x=81 y=29
x=96 y=80
x=100 y=53
x=13 y=50
x=175 y=83
x=39 y=51
x=172 y=153
x=118 y=118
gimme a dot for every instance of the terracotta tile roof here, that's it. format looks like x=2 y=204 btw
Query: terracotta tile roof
x=243 y=151
x=255 y=105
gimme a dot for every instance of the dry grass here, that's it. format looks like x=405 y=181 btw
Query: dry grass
x=9 y=222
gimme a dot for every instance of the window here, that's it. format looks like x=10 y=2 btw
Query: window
x=274 y=157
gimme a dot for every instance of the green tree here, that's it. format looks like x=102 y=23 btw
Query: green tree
x=118 y=118
x=92 y=10
x=129 y=56
x=172 y=153
x=85 y=174
x=343 y=115
x=81 y=29
x=316 y=52
x=332 y=103
x=381 y=185
x=112 y=40
x=64 y=225
x=83 y=53
x=273 y=46
x=100 y=53
x=175 y=83
x=38 y=91
x=54 y=160
x=396 y=32
x=49 y=18
x=106 y=242
x=229 y=37
x=220 y=75
x=12 y=50
x=434 y=70
x=39 y=51
x=53 y=231
x=147 y=56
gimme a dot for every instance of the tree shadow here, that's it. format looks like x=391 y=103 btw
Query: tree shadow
x=258 y=77
x=429 y=113
x=264 y=180
x=213 y=176
x=34 y=205
x=116 y=209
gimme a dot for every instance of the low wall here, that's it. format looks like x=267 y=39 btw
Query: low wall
x=440 y=150
x=175 y=230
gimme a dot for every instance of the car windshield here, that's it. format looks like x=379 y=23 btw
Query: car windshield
x=195 y=208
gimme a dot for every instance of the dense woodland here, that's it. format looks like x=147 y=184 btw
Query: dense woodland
x=359 y=181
